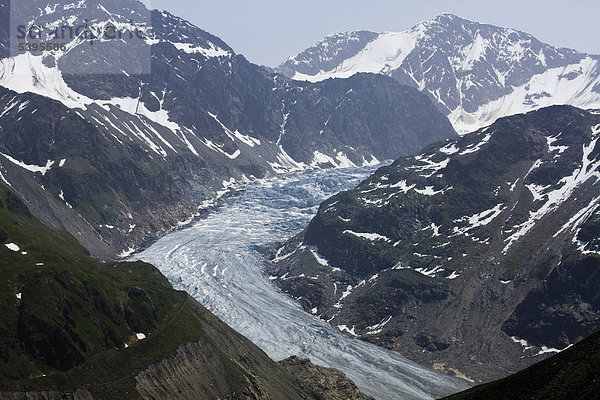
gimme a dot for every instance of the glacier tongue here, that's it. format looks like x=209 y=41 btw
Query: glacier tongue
x=219 y=262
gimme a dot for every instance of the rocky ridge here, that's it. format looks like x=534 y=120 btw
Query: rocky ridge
x=477 y=256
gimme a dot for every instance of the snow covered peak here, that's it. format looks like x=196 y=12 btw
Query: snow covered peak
x=366 y=52
x=459 y=39
x=475 y=72
x=103 y=36
x=102 y=53
x=448 y=17
x=187 y=37
x=325 y=55
x=82 y=36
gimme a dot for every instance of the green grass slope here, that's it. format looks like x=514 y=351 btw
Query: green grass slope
x=69 y=322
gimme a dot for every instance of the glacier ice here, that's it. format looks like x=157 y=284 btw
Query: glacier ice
x=219 y=261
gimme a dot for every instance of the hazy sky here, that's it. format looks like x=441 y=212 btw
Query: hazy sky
x=269 y=31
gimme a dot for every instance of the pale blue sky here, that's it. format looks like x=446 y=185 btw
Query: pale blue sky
x=268 y=31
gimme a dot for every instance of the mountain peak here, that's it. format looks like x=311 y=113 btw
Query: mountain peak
x=449 y=16
x=448 y=23
x=475 y=72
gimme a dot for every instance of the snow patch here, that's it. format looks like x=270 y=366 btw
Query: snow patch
x=247 y=140
x=429 y=191
x=522 y=342
x=12 y=246
x=32 y=168
x=450 y=149
x=347 y=292
x=430 y=167
x=279 y=257
x=126 y=253
x=556 y=197
x=385 y=53
x=320 y=259
x=548 y=350
x=551 y=148
x=431 y=272
x=477 y=146
x=344 y=328
x=453 y=275
x=403 y=186
x=212 y=52
x=209 y=143
x=477 y=220
x=433 y=227
x=378 y=328
x=369 y=236
x=5 y=180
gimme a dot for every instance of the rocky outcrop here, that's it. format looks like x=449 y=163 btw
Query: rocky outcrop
x=187 y=376
x=193 y=374
x=327 y=383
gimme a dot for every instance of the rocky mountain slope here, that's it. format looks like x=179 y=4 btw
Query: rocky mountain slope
x=572 y=374
x=478 y=256
x=72 y=327
x=475 y=72
x=117 y=157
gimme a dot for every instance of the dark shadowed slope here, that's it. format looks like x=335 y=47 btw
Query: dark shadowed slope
x=572 y=374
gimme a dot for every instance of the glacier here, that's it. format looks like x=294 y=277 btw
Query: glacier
x=220 y=262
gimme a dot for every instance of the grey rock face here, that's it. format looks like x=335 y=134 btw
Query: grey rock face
x=47 y=395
